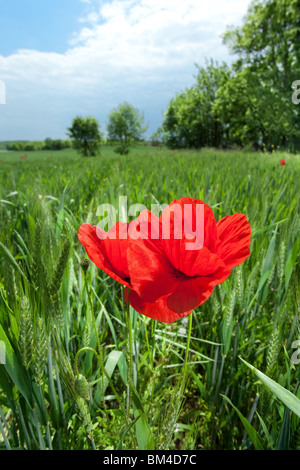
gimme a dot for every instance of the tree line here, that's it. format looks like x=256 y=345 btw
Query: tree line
x=250 y=103
x=125 y=127
x=47 y=144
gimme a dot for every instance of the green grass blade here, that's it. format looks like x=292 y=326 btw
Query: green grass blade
x=6 y=442
x=12 y=260
x=125 y=432
x=143 y=431
x=112 y=360
x=15 y=370
x=252 y=433
x=266 y=432
x=287 y=397
x=284 y=436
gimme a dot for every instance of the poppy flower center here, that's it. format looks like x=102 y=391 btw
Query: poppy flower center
x=179 y=275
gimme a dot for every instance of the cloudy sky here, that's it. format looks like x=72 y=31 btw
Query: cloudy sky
x=61 y=58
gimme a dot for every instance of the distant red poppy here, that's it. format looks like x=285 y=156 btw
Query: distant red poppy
x=165 y=274
x=282 y=162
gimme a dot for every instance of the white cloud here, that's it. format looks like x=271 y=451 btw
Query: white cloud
x=140 y=51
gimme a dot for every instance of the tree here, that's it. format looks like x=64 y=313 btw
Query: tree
x=158 y=137
x=251 y=103
x=190 y=120
x=85 y=135
x=257 y=100
x=125 y=125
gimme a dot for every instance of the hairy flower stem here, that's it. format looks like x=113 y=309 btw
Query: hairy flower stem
x=187 y=348
x=148 y=345
x=92 y=313
x=86 y=348
x=130 y=378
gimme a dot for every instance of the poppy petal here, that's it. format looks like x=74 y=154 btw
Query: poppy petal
x=234 y=232
x=151 y=273
x=189 y=294
x=187 y=225
x=157 y=310
x=107 y=250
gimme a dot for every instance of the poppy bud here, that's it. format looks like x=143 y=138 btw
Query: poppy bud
x=85 y=264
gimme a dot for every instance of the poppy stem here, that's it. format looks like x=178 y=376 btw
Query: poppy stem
x=130 y=378
x=92 y=313
x=187 y=348
x=147 y=343
x=99 y=355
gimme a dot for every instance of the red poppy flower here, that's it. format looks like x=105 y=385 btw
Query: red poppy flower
x=170 y=265
x=181 y=278
x=109 y=252
x=282 y=162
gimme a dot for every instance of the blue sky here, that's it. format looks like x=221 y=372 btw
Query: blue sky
x=40 y=25
x=62 y=58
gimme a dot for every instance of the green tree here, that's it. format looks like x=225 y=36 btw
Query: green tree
x=251 y=103
x=157 y=138
x=86 y=135
x=190 y=120
x=256 y=103
x=125 y=125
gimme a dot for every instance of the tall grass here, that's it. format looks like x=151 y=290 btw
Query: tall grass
x=54 y=393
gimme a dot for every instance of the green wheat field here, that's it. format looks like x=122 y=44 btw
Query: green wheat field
x=242 y=390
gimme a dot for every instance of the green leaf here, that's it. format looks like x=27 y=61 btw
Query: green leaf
x=3 y=201
x=284 y=436
x=14 y=368
x=6 y=442
x=12 y=260
x=287 y=397
x=201 y=387
x=126 y=430
x=113 y=358
x=266 y=267
x=291 y=261
x=268 y=260
x=143 y=432
x=252 y=433
x=6 y=384
x=265 y=430
x=262 y=230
